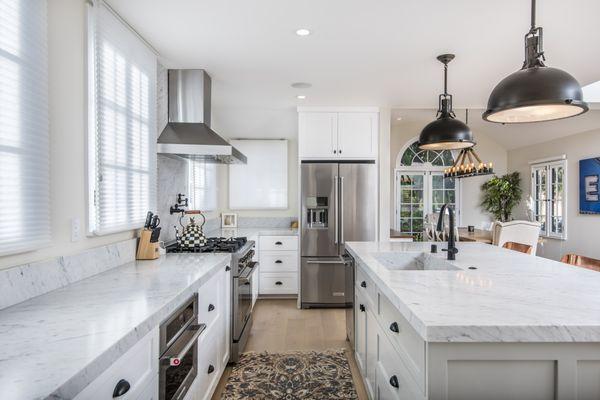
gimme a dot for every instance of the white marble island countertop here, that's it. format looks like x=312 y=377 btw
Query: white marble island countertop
x=508 y=297
x=54 y=345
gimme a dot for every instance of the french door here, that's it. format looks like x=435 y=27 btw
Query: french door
x=419 y=193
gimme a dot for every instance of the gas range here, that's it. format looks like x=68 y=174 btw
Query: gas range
x=213 y=245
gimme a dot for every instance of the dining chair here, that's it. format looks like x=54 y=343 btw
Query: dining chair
x=524 y=232
x=581 y=261
x=523 y=248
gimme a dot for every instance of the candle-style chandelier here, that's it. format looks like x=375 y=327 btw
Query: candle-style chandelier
x=468 y=163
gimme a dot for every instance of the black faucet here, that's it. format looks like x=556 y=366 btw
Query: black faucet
x=452 y=250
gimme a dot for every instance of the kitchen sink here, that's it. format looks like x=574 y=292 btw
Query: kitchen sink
x=414 y=261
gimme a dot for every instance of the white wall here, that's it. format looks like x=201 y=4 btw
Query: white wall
x=67 y=95
x=582 y=230
x=488 y=150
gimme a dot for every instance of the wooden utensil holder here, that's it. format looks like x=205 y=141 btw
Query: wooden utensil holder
x=147 y=250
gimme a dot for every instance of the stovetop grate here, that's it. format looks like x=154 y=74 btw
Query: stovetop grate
x=213 y=245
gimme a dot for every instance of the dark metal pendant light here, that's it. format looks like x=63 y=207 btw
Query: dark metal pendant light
x=446 y=132
x=536 y=92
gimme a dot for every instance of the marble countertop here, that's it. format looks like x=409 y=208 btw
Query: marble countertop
x=249 y=232
x=509 y=297
x=54 y=345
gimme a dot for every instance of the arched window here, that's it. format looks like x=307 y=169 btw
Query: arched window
x=421 y=189
x=413 y=155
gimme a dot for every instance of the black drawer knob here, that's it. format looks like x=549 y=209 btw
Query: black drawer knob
x=279 y=283
x=334 y=152
x=362 y=307
x=394 y=381
x=363 y=284
x=394 y=327
x=210 y=307
x=228 y=268
x=278 y=262
x=122 y=387
x=278 y=243
x=211 y=369
x=340 y=151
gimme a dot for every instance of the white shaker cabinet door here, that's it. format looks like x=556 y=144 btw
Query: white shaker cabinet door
x=317 y=135
x=357 y=135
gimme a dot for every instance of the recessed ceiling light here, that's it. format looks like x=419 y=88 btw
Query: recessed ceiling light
x=300 y=85
x=399 y=119
x=302 y=32
x=301 y=97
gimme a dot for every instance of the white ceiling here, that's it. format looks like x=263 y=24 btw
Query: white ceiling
x=360 y=53
x=508 y=136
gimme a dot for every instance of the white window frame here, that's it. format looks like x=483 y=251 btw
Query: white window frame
x=547 y=165
x=91 y=162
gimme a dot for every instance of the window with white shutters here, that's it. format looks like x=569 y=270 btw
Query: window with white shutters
x=24 y=142
x=122 y=133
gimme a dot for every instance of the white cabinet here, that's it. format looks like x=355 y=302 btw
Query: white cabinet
x=338 y=135
x=365 y=339
x=357 y=135
x=138 y=366
x=214 y=302
x=278 y=258
x=317 y=134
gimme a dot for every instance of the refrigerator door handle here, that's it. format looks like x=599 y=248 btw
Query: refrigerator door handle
x=342 y=210
x=335 y=202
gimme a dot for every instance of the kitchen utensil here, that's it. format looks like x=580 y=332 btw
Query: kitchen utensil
x=148 y=220
x=155 y=234
x=155 y=222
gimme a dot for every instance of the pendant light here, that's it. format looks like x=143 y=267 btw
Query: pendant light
x=536 y=92
x=446 y=132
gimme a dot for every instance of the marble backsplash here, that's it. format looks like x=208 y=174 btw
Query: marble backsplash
x=265 y=222
x=25 y=281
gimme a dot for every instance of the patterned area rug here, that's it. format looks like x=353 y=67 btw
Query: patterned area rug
x=295 y=375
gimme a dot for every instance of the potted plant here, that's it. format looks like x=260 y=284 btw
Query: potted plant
x=501 y=195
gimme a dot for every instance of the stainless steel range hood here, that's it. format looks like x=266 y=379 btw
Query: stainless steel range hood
x=188 y=132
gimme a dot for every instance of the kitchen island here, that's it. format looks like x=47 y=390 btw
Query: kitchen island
x=493 y=324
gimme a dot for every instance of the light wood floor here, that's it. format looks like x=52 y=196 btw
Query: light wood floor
x=280 y=326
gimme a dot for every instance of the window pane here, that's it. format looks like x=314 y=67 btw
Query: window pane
x=405 y=211
x=417 y=196
x=437 y=181
x=438 y=196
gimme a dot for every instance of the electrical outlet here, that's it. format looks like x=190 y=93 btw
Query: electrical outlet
x=75 y=229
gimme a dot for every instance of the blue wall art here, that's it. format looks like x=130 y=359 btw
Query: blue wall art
x=589 y=186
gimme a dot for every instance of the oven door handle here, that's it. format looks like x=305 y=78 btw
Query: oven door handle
x=182 y=345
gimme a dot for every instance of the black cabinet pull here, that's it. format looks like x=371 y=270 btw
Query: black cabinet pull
x=122 y=387
x=278 y=243
x=279 y=283
x=340 y=151
x=334 y=152
x=362 y=307
x=394 y=327
x=228 y=268
x=278 y=262
x=211 y=369
x=394 y=381
x=363 y=284
x=210 y=307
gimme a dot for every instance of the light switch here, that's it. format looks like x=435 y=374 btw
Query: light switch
x=75 y=229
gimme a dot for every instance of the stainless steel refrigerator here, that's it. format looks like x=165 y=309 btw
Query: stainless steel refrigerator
x=339 y=204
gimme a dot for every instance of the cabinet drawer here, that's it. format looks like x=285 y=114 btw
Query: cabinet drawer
x=209 y=304
x=269 y=243
x=210 y=365
x=385 y=389
x=279 y=283
x=279 y=261
x=366 y=286
x=138 y=366
x=404 y=339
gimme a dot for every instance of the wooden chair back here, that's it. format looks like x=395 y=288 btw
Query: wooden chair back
x=581 y=261
x=523 y=248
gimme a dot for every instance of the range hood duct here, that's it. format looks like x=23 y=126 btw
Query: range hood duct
x=188 y=133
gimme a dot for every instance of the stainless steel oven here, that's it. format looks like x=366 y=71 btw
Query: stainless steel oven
x=242 y=303
x=179 y=351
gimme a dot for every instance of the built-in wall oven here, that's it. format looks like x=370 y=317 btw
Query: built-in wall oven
x=179 y=351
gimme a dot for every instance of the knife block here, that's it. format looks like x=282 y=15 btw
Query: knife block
x=147 y=250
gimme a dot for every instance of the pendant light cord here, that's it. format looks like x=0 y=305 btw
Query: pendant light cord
x=532 y=15
x=445 y=80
